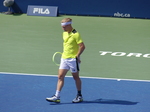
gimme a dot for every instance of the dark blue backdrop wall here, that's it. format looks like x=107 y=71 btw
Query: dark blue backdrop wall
x=117 y=8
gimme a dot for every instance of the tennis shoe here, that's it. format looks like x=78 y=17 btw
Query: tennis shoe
x=77 y=99
x=54 y=99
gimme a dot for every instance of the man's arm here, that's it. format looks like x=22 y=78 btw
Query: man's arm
x=81 y=49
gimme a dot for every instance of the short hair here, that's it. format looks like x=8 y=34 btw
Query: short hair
x=66 y=20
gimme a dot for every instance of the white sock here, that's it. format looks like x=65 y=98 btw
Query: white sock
x=57 y=94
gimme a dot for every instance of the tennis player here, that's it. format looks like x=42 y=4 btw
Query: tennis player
x=73 y=47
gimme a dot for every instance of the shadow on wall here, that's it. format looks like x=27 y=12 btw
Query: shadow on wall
x=16 y=8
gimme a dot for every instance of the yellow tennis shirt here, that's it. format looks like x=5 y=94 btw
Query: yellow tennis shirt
x=70 y=44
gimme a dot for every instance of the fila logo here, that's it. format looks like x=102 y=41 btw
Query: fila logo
x=102 y=53
x=41 y=11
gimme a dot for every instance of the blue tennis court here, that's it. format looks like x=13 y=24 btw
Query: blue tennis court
x=27 y=93
x=116 y=48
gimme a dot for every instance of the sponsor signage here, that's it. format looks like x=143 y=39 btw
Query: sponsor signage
x=118 y=14
x=103 y=53
x=42 y=10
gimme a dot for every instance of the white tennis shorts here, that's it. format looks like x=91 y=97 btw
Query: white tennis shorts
x=70 y=64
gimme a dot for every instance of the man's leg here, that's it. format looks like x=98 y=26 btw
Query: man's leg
x=60 y=83
x=77 y=80
x=78 y=83
x=61 y=76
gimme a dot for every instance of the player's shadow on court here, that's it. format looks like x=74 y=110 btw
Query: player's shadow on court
x=111 y=101
x=106 y=101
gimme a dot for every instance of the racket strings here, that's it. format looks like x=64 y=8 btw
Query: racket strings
x=57 y=58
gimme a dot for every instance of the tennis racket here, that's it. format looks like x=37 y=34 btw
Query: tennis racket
x=56 y=58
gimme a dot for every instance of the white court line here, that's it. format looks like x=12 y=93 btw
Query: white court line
x=71 y=76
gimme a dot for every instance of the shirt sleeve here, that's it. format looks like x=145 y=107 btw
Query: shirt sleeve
x=78 y=38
